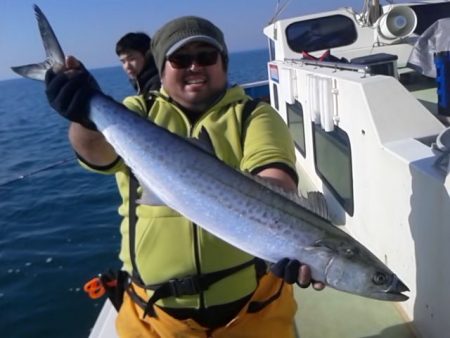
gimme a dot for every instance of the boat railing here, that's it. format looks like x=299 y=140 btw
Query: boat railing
x=258 y=90
x=328 y=64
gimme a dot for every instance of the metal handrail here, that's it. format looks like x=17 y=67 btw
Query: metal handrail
x=335 y=65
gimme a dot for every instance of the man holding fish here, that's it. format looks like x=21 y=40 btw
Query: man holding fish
x=184 y=281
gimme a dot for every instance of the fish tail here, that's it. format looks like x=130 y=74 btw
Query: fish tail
x=55 y=55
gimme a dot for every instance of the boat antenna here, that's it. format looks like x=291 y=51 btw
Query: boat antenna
x=374 y=11
x=278 y=10
x=369 y=14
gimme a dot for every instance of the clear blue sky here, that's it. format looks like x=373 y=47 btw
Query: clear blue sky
x=89 y=29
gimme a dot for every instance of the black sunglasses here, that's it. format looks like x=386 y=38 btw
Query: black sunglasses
x=203 y=59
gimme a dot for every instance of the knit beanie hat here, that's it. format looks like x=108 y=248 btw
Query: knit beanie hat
x=178 y=32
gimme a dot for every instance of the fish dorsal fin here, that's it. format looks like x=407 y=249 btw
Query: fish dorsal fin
x=314 y=202
x=318 y=204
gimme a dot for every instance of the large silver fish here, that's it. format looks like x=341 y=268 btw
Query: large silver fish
x=235 y=207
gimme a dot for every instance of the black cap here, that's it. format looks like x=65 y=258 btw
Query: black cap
x=177 y=33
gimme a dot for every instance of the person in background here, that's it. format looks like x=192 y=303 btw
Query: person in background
x=182 y=281
x=133 y=50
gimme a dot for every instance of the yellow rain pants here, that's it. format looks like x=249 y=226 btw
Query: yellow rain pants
x=274 y=320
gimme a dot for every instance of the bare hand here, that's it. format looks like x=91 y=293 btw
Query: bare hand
x=305 y=280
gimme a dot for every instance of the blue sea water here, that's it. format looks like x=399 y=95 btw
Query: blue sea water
x=58 y=222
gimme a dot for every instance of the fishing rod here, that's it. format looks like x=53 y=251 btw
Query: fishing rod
x=34 y=172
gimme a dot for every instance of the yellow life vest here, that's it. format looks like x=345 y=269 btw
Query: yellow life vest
x=169 y=246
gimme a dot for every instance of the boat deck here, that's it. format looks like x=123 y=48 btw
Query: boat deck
x=425 y=90
x=325 y=314
x=334 y=314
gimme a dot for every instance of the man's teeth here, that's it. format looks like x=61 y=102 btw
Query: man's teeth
x=195 y=81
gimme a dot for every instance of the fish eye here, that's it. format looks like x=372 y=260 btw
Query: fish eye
x=349 y=252
x=379 y=278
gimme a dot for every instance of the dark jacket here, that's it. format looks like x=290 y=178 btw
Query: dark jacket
x=148 y=79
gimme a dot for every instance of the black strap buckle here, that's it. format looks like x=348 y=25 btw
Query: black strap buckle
x=185 y=286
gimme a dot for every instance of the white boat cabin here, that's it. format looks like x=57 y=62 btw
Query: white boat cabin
x=365 y=120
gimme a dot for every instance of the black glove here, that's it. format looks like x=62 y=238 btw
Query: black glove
x=69 y=95
x=286 y=269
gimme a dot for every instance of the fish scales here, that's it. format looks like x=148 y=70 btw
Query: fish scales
x=214 y=195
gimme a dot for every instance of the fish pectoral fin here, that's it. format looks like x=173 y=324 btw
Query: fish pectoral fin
x=326 y=244
x=338 y=248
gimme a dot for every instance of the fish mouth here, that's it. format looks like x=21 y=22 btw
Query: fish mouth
x=392 y=296
x=395 y=291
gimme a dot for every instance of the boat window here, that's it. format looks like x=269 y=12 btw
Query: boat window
x=271 y=50
x=296 y=123
x=427 y=14
x=334 y=165
x=321 y=33
x=275 y=97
